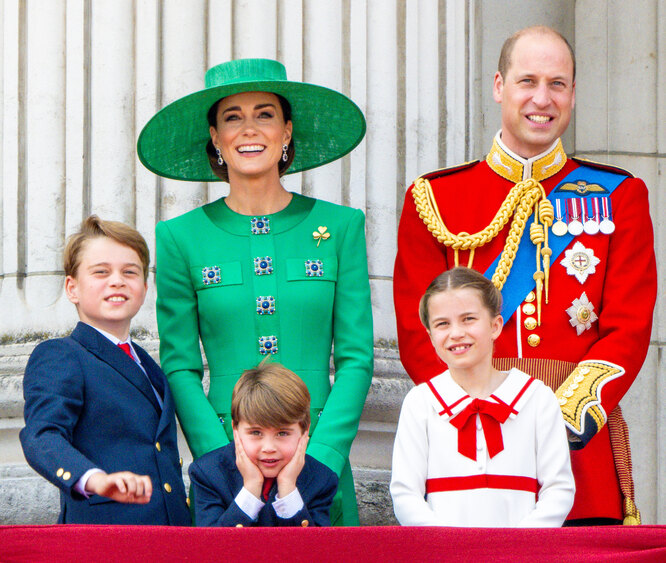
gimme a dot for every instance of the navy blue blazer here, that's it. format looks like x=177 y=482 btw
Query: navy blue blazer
x=216 y=482
x=88 y=404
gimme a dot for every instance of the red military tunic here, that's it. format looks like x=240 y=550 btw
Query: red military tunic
x=617 y=294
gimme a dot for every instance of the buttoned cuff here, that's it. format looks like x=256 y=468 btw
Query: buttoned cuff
x=288 y=506
x=80 y=486
x=248 y=503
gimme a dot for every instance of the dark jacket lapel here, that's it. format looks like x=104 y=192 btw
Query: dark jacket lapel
x=151 y=367
x=103 y=348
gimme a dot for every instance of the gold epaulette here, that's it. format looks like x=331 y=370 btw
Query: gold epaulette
x=580 y=394
x=602 y=166
x=446 y=171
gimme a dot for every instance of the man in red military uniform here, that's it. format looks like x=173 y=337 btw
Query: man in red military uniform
x=570 y=244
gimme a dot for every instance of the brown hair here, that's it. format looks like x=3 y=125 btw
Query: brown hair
x=221 y=171
x=271 y=396
x=507 y=49
x=94 y=227
x=462 y=278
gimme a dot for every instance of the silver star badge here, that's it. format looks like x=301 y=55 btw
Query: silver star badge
x=581 y=314
x=580 y=262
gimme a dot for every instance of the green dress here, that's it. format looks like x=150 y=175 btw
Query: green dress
x=250 y=287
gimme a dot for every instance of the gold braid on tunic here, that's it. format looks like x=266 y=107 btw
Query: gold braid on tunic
x=524 y=198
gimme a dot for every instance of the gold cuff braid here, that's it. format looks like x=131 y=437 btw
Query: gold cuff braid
x=580 y=394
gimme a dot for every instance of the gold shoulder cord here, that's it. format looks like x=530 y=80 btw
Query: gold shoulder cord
x=524 y=197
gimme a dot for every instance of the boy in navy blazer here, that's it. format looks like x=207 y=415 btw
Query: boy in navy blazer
x=99 y=416
x=264 y=477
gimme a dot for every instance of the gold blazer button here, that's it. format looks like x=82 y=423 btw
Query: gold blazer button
x=534 y=340
x=529 y=308
x=167 y=487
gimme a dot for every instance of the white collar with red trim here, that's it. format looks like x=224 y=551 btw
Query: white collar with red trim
x=448 y=398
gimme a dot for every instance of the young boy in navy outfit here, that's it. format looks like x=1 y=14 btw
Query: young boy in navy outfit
x=99 y=416
x=264 y=477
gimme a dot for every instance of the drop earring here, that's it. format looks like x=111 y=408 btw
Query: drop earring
x=220 y=160
x=285 y=156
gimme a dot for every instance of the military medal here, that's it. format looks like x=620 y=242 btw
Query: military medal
x=606 y=226
x=580 y=262
x=575 y=226
x=591 y=226
x=581 y=314
x=559 y=228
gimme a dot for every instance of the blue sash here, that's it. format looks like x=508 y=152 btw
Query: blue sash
x=520 y=281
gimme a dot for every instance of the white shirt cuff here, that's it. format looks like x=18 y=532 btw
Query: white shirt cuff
x=288 y=506
x=80 y=486
x=248 y=503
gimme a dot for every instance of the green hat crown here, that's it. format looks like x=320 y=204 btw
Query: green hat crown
x=326 y=124
x=245 y=70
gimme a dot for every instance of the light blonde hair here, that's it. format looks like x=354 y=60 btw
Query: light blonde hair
x=271 y=396
x=461 y=278
x=94 y=227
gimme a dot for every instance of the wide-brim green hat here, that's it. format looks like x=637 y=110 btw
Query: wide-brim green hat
x=326 y=124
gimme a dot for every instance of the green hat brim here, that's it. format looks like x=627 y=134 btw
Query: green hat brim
x=326 y=126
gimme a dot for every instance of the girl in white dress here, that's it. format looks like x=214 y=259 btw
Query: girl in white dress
x=476 y=446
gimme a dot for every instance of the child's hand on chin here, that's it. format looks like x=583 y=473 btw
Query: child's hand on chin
x=123 y=486
x=286 y=479
x=253 y=479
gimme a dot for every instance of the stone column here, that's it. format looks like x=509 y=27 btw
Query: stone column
x=620 y=108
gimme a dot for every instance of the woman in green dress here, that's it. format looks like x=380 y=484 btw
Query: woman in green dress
x=263 y=271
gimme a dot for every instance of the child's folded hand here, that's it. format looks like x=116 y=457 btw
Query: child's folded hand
x=286 y=479
x=123 y=486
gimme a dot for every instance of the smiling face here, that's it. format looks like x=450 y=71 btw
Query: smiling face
x=250 y=132
x=108 y=288
x=462 y=329
x=270 y=449
x=537 y=94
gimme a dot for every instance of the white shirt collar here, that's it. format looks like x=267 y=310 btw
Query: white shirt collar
x=456 y=399
x=112 y=338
